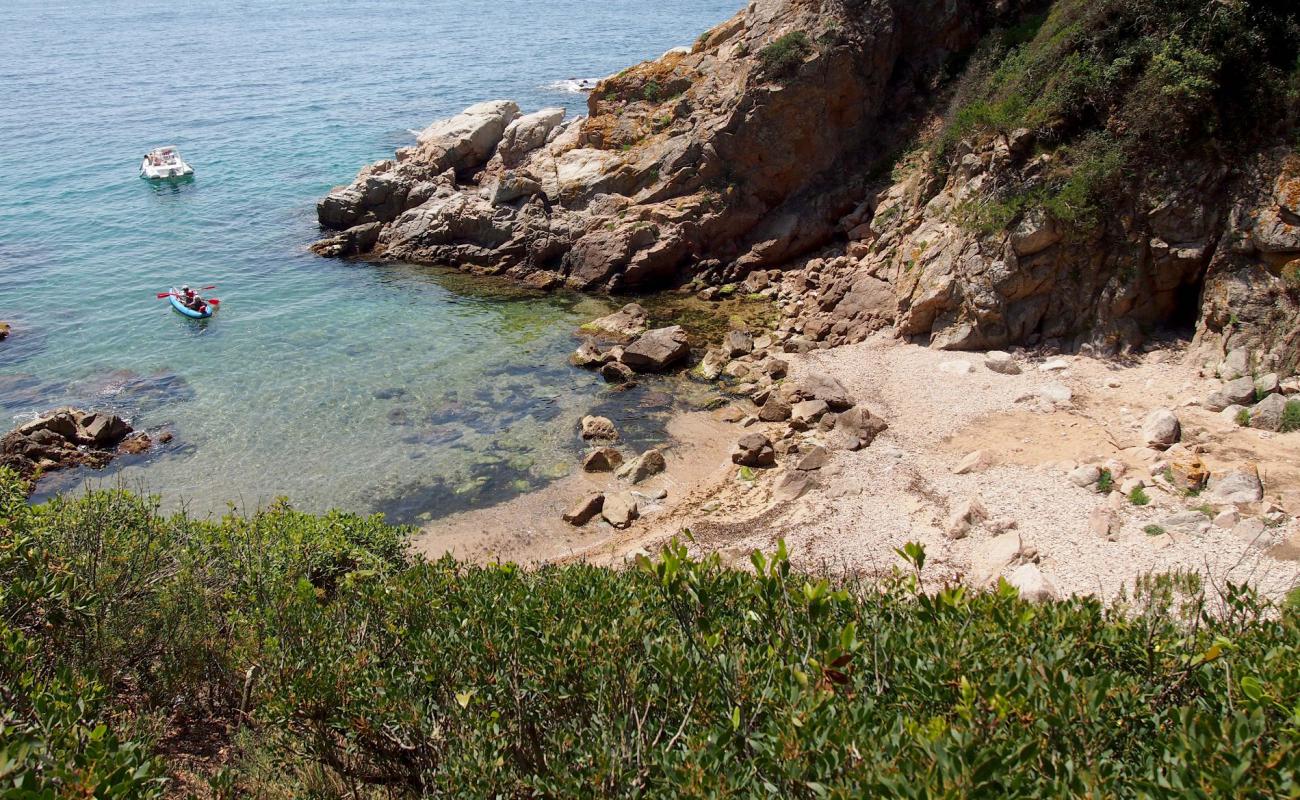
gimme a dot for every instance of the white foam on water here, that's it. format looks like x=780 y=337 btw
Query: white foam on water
x=574 y=85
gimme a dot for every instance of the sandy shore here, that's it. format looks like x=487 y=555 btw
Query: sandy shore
x=529 y=529
x=941 y=406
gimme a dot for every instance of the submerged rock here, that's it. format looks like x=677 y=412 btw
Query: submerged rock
x=594 y=427
x=627 y=323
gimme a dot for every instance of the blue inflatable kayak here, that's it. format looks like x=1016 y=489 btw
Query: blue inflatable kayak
x=181 y=308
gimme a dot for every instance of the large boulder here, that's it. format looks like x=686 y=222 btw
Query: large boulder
x=1235 y=392
x=1267 y=414
x=463 y=142
x=657 y=350
x=103 y=430
x=626 y=323
x=383 y=191
x=1161 y=429
x=1239 y=486
x=527 y=133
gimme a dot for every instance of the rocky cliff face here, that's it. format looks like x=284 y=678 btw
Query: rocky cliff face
x=763 y=154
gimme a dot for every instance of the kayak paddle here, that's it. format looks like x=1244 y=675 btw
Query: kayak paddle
x=161 y=295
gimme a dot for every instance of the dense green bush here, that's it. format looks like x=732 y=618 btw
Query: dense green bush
x=1291 y=416
x=783 y=56
x=1112 y=86
x=678 y=678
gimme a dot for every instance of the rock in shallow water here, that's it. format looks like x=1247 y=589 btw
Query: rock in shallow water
x=594 y=427
x=68 y=437
x=657 y=350
x=646 y=465
x=603 y=459
x=626 y=323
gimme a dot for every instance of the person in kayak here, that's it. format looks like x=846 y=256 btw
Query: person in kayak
x=191 y=299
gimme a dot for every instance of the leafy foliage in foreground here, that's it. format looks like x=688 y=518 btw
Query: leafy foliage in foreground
x=374 y=677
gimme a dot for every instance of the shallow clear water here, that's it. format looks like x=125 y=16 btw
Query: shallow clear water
x=409 y=390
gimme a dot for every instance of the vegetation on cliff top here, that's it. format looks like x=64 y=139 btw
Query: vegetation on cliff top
x=332 y=666
x=1115 y=85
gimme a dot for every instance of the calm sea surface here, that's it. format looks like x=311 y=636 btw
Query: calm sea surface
x=401 y=389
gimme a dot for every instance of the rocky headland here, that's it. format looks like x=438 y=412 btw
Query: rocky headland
x=826 y=149
x=1056 y=188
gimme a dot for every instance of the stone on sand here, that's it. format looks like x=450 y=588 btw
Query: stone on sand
x=1238 y=486
x=594 y=427
x=754 y=450
x=1032 y=584
x=1001 y=362
x=585 y=509
x=1161 y=429
x=976 y=461
x=619 y=509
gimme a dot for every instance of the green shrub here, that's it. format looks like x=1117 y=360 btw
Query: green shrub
x=1243 y=417
x=1291 y=416
x=651 y=92
x=785 y=55
x=1109 y=83
x=1106 y=482
x=1139 y=496
x=1154 y=530
x=678 y=678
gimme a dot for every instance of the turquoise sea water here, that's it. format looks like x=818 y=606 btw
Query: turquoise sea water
x=409 y=390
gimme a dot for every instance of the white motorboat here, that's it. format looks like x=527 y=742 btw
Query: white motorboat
x=164 y=163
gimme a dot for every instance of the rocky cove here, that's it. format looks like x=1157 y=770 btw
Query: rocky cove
x=872 y=398
x=810 y=194
x=830 y=158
